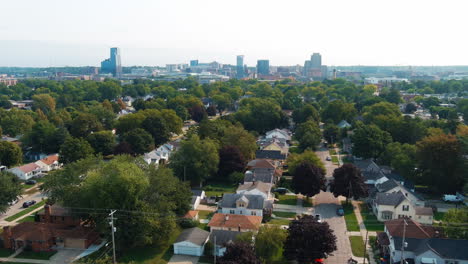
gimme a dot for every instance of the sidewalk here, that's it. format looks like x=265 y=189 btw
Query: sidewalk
x=363 y=231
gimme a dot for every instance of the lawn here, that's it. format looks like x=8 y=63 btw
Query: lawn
x=25 y=211
x=307 y=202
x=350 y=217
x=357 y=246
x=287 y=199
x=36 y=255
x=151 y=254
x=5 y=252
x=206 y=259
x=284 y=214
x=439 y=216
x=334 y=159
x=218 y=189
x=279 y=221
x=370 y=220
x=332 y=151
x=205 y=214
x=29 y=218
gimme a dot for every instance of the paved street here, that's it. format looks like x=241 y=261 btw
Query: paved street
x=182 y=259
x=18 y=207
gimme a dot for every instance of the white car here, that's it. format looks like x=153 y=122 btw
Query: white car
x=452 y=198
x=319 y=218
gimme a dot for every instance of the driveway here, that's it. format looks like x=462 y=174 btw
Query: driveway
x=183 y=259
x=65 y=255
x=18 y=207
x=325 y=205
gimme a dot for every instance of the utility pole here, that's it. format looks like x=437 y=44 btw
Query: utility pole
x=402 y=261
x=113 y=229
x=214 y=249
x=365 y=246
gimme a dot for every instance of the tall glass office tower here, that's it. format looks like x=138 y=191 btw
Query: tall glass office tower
x=263 y=67
x=113 y=64
x=240 y=67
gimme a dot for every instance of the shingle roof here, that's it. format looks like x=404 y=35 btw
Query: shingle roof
x=392 y=199
x=269 y=154
x=261 y=186
x=386 y=186
x=263 y=175
x=363 y=164
x=49 y=160
x=194 y=235
x=261 y=163
x=449 y=248
x=223 y=237
x=372 y=175
x=254 y=201
x=28 y=167
x=197 y=192
x=38 y=231
x=235 y=221
x=56 y=210
x=423 y=211
x=413 y=229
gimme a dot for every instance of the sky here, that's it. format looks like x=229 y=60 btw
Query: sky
x=50 y=33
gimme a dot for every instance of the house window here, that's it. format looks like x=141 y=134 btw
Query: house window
x=240 y=212
x=405 y=207
x=387 y=215
x=254 y=213
x=232 y=212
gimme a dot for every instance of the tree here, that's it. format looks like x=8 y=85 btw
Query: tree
x=348 y=182
x=441 y=163
x=308 y=240
x=331 y=133
x=239 y=252
x=305 y=113
x=44 y=102
x=454 y=223
x=41 y=136
x=83 y=124
x=196 y=160
x=269 y=243
x=140 y=140
x=295 y=159
x=10 y=189
x=308 y=179
x=369 y=141
x=376 y=111
x=211 y=110
x=261 y=115
x=241 y=138
x=338 y=110
x=410 y=108
x=74 y=149
x=308 y=134
x=197 y=113
x=109 y=89
x=401 y=157
x=102 y=142
x=157 y=127
x=10 y=154
x=230 y=160
x=392 y=96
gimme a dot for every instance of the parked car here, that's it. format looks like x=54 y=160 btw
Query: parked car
x=328 y=158
x=28 y=203
x=340 y=211
x=281 y=190
x=452 y=198
x=15 y=201
x=31 y=182
x=319 y=218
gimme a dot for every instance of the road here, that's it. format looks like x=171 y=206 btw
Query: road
x=18 y=207
x=326 y=204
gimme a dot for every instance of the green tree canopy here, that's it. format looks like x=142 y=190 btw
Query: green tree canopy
x=74 y=149
x=10 y=189
x=10 y=154
x=369 y=141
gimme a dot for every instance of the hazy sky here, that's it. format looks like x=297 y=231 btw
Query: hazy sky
x=156 y=32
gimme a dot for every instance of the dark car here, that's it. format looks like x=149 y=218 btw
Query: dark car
x=281 y=190
x=340 y=211
x=28 y=203
x=31 y=182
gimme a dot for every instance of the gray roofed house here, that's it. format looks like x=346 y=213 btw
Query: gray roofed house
x=433 y=250
x=194 y=235
x=366 y=165
x=258 y=187
x=221 y=238
x=393 y=199
x=270 y=154
x=253 y=201
x=386 y=186
x=343 y=124
x=263 y=175
x=371 y=176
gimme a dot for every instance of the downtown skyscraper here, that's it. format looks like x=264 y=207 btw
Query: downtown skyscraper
x=240 y=73
x=113 y=64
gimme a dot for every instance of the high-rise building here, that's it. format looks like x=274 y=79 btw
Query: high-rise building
x=240 y=67
x=113 y=64
x=263 y=67
x=316 y=61
x=193 y=63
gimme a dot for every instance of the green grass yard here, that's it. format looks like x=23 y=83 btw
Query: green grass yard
x=25 y=211
x=350 y=217
x=357 y=246
x=29 y=218
x=307 y=202
x=332 y=151
x=284 y=214
x=279 y=221
x=205 y=214
x=287 y=199
x=218 y=189
x=439 y=216
x=334 y=159
x=370 y=220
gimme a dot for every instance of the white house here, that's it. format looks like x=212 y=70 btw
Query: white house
x=256 y=188
x=389 y=206
x=278 y=133
x=49 y=163
x=191 y=242
x=160 y=155
x=242 y=204
x=27 y=171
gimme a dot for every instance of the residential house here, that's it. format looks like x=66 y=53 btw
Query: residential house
x=49 y=163
x=34 y=155
x=265 y=142
x=279 y=133
x=276 y=144
x=221 y=239
x=195 y=202
x=191 y=242
x=58 y=215
x=11 y=139
x=199 y=193
x=388 y=206
x=242 y=204
x=233 y=222
x=263 y=175
x=261 y=164
x=256 y=188
x=27 y=171
x=270 y=154
x=393 y=186
x=367 y=165
x=423 y=244
x=191 y=214
x=343 y=124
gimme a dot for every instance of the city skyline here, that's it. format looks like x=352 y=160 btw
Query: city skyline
x=156 y=33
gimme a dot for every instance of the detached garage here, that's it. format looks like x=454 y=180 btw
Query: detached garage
x=191 y=242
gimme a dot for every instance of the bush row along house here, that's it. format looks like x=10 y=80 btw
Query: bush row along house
x=54 y=228
x=242 y=211
x=422 y=244
x=391 y=196
x=36 y=169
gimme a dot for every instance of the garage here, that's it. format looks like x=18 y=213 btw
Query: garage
x=75 y=243
x=191 y=242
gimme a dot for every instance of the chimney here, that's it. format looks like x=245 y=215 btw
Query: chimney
x=47 y=210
